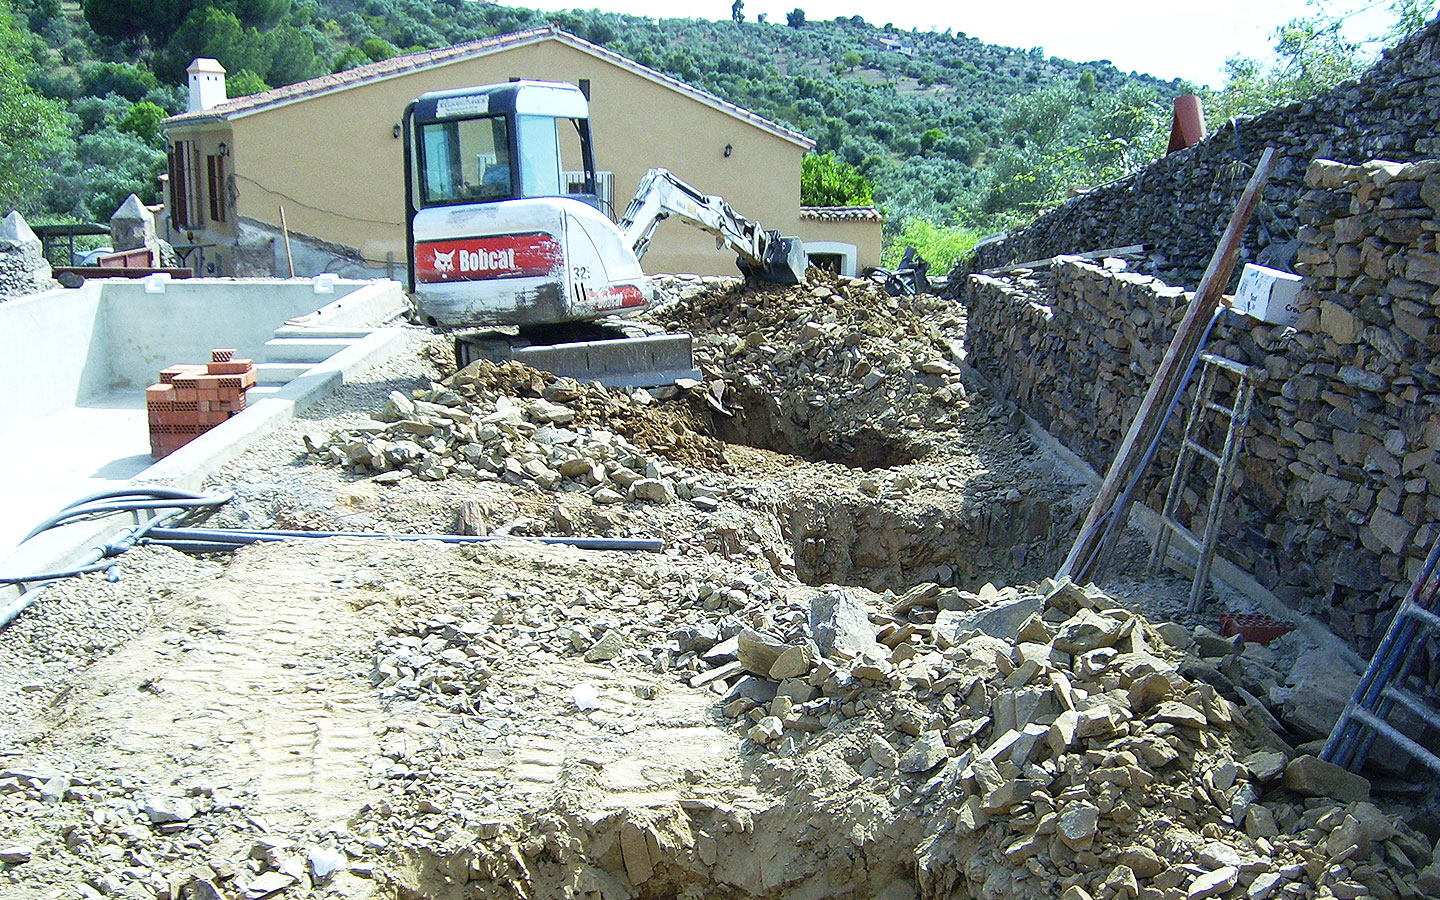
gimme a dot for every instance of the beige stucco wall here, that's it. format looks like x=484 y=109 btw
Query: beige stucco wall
x=334 y=164
x=208 y=139
x=866 y=237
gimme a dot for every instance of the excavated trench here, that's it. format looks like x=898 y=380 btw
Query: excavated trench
x=763 y=419
x=896 y=544
x=701 y=851
x=896 y=531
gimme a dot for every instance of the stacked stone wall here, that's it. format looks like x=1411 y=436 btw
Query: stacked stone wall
x=1339 y=490
x=1179 y=206
x=23 y=267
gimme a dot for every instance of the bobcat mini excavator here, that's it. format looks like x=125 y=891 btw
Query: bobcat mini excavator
x=499 y=234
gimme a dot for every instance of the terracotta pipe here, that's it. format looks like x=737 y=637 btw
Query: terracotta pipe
x=1187 y=127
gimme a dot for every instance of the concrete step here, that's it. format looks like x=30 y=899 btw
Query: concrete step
x=305 y=331
x=261 y=391
x=274 y=373
x=304 y=350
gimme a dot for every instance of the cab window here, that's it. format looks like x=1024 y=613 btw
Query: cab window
x=466 y=160
x=540 y=165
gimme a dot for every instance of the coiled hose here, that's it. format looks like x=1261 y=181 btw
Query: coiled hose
x=166 y=507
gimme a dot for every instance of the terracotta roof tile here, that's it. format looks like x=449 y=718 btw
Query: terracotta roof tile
x=398 y=65
x=841 y=213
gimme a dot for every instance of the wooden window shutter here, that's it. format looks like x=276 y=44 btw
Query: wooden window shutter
x=215 y=183
x=179 y=209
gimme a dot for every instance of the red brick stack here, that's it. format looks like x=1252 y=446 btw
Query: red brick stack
x=191 y=399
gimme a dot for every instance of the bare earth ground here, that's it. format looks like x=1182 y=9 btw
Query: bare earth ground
x=360 y=717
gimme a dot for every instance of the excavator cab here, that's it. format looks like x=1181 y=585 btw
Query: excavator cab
x=503 y=222
x=499 y=142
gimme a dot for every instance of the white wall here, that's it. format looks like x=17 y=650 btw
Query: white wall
x=52 y=352
x=63 y=348
x=145 y=333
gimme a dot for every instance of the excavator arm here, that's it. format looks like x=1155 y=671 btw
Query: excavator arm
x=762 y=254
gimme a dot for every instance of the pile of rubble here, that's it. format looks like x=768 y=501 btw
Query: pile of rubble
x=1026 y=742
x=836 y=370
x=466 y=429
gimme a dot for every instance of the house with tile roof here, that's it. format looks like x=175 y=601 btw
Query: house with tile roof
x=310 y=176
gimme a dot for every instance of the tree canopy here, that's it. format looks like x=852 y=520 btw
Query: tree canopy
x=929 y=126
x=32 y=128
x=827 y=181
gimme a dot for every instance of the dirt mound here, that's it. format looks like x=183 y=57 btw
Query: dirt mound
x=835 y=369
x=673 y=430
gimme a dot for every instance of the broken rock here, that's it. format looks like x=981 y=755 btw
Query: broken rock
x=163 y=810
x=16 y=855
x=1078 y=823
x=757 y=652
x=1213 y=884
x=610 y=645
x=840 y=624
x=1313 y=777
x=1000 y=621
x=1086 y=631
x=926 y=753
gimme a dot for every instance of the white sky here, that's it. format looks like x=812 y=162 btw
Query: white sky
x=1166 y=38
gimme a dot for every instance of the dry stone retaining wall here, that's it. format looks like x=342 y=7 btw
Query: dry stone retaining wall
x=23 y=267
x=1179 y=206
x=1340 y=488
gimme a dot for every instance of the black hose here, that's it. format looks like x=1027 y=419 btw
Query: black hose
x=183 y=505
x=160 y=529
x=228 y=539
x=159 y=498
x=101 y=558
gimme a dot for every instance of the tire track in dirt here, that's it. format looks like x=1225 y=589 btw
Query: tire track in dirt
x=260 y=682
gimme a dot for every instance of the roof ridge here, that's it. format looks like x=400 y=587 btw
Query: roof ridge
x=684 y=87
x=396 y=65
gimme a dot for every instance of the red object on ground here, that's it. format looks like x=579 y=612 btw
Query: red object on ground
x=140 y=258
x=192 y=399
x=1253 y=627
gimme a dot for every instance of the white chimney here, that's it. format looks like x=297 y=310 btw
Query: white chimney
x=207 y=84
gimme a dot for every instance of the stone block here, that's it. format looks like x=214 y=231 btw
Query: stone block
x=1312 y=777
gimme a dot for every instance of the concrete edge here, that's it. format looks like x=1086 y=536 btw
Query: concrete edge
x=189 y=466
x=90 y=286
x=371 y=301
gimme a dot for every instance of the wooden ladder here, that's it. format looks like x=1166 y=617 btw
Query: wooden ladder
x=1191 y=450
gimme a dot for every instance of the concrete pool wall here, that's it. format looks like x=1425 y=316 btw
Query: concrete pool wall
x=63 y=348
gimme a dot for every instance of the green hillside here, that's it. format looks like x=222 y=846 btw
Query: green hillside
x=946 y=128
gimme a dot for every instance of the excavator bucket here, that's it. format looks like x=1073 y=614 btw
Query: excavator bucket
x=785 y=261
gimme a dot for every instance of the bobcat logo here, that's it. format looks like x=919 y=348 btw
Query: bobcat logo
x=445 y=262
